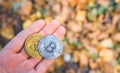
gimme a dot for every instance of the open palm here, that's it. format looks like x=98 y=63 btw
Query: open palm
x=13 y=58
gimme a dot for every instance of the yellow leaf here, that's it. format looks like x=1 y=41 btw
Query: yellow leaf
x=59 y=62
x=76 y=56
x=27 y=23
x=117 y=1
x=81 y=15
x=106 y=54
x=91 y=3
x=117 y=69
x=7 y=32
x=73 y=2
x=83 y=60
x=68 y=48
x=35 y=16
x=48 y=19
x=93 y=65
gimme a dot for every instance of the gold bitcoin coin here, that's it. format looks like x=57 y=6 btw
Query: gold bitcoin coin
x=31 y=45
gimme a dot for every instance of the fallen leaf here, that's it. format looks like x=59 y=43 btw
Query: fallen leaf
x=48 y=19
x=73 y=26
x=7 y=32
x=70 y=36
x=43 y=12
x=59 y=62
x=35 y=16
x=94 y=34
x=117 y=1
x=81 y=16
x=76 y=56
x=108 y=43
x=68 y=48
x=81 y=4
x=116 y=37
x=73 y=3
x=83 y=60
x=118 y=60
x=76 y=43
x=103 y=35
x=91 y=16
x=56 y=8
x=117 y=69
x=93 y=65
x=101 y=10
x=27 y=23
x=103 y=2
x=15 y=6
x=63 y=15
x=107 y=55
x=25 y=9
x=115 y=19
x=94 y=42
x=95 y=56
x=70 y=71
x=108 y=67
x=91 y=3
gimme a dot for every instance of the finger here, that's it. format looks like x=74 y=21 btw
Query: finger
x=60 y=32
x=23 y=53
x=33 y=62
x=50 y=28
x=17 y=43
x=43 y=65
x=29 y=64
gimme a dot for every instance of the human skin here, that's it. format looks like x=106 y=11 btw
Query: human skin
x=13 y=58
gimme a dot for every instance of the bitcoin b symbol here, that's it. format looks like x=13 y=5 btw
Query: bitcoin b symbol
x=50 y=47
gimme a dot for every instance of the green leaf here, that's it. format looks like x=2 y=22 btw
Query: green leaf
x=96 y=5
x=88 y=7
x=101 y=10
x=66 y=39
x=114 y=47
x=117 y=6
x=118 y=60
x=90 y=16
x=94 y=11
x=59 y=69
x=15 y=6
x=118 y=47
x=76 y=43
x=43 y=12
x=112 y=3
x=95 y=56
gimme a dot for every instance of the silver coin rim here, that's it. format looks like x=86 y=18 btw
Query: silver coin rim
x=43 y=39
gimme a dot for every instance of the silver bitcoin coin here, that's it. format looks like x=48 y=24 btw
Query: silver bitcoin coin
x=50 y=47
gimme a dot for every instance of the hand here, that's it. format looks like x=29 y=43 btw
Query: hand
x=13 y=58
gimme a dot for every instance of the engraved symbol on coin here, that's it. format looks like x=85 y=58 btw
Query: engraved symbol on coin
x=31 y=45
x=50 y=47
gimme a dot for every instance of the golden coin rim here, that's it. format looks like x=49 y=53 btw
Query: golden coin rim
x=27 y=49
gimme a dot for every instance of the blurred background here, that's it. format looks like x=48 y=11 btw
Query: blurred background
x=92 y=41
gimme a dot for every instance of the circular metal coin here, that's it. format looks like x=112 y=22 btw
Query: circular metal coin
x=31 y=45
x=50 y=47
